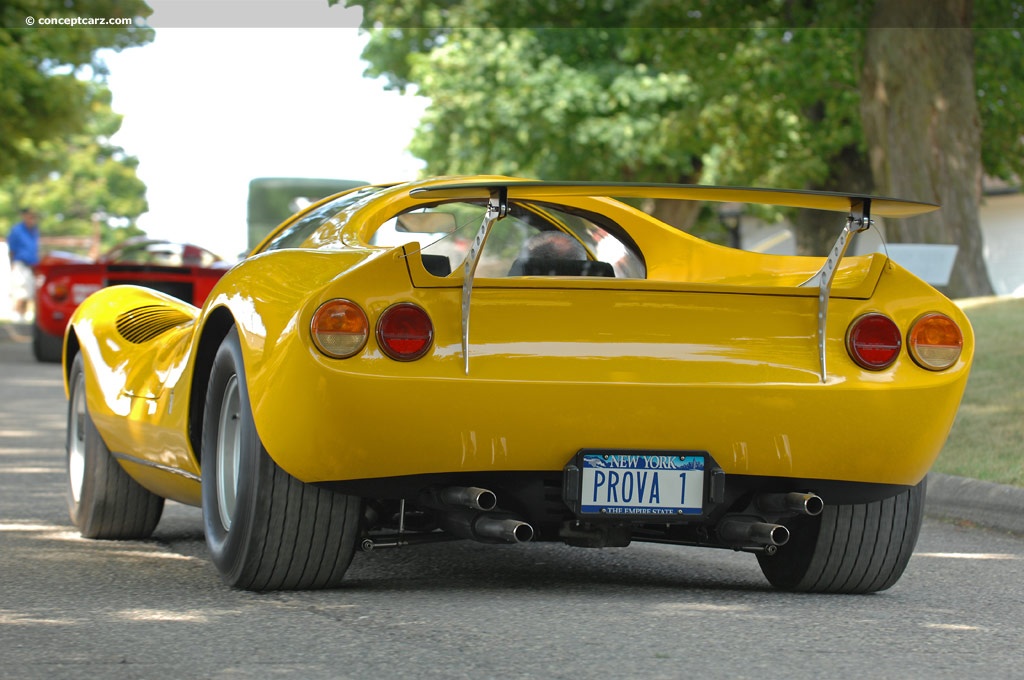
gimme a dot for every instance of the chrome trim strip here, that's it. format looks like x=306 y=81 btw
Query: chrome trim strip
x=858 y=220
x=497 y=207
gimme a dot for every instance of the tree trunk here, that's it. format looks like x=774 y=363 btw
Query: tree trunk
x=922 y=127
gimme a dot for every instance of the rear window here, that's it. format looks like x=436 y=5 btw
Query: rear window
x=530 y=231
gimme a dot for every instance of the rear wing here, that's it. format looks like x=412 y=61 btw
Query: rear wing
x=814 y=200
x=859 y=209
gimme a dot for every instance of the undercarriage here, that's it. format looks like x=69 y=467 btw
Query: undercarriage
x=740 y=512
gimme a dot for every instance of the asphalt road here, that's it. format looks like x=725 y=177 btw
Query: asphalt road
x=72 y=608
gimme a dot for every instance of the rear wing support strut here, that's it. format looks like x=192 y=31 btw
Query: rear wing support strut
x=497 y=208
x=858 y=220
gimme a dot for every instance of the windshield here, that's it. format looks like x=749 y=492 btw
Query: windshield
x=308 y=230
x=161 y=253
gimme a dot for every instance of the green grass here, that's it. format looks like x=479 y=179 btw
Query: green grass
x=987 y=440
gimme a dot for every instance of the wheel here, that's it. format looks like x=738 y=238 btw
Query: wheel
x=46 y=348
x=265 y=529
x=860 y=548
x=103 y=501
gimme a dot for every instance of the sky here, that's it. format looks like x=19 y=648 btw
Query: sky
x=221 y=97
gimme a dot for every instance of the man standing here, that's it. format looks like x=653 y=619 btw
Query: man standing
x=23 y=247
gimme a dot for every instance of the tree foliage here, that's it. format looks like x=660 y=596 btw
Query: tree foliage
x=999 y=78
x=45 y=71
x=765 y=92
x=91 y=188
x=612 y=111
x=725 y=91
x=56 y=121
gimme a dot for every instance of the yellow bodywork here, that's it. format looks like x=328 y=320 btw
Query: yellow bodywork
x=715 y=350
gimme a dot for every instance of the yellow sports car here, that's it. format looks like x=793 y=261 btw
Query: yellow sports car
x=511 y=361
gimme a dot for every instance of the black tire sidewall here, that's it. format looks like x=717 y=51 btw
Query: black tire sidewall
x=229 y=549
x=825 y=552
x=76 y=508
x=46 y=348
x=111 y=505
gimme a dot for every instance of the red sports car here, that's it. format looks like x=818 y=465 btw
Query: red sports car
x=182 y=270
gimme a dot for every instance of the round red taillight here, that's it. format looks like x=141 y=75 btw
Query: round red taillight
x=935 y=341
x=874 y=341
x=339 y=328
x=405 y=332
x=58 y=290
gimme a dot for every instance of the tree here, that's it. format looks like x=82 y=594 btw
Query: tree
x=919 y=76
x=772 y=92
x=923 y=51
x=570 y=82
x=91 y=189
x=56 y=121
x=528 y=107
x=42 y=94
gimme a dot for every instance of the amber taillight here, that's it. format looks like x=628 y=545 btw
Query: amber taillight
x=935 y=341
x=405 y=332
x=873 y=341
x=339 y=328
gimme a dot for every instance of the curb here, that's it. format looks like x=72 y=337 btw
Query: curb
x=995 y=506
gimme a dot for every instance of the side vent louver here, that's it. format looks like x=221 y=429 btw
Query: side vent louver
x=142 y=324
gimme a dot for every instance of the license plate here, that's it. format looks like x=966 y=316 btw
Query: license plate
x=641 y=484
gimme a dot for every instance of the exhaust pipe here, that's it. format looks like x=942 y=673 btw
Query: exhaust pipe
x=748 y=531
x=803 y=503
x=471 y=497
x=487 y=528
x=508 y=530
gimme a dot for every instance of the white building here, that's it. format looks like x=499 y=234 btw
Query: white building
x=1002 y=224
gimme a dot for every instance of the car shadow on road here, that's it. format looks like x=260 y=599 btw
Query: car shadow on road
x=454 y=566
x=552 y=568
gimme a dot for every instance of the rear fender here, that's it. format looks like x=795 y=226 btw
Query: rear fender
x=215 y=327
x=273 y=311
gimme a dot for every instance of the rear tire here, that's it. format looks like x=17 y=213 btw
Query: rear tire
x=265 y=529
x=103 y=501
x=860 y=548
x=46 y=348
